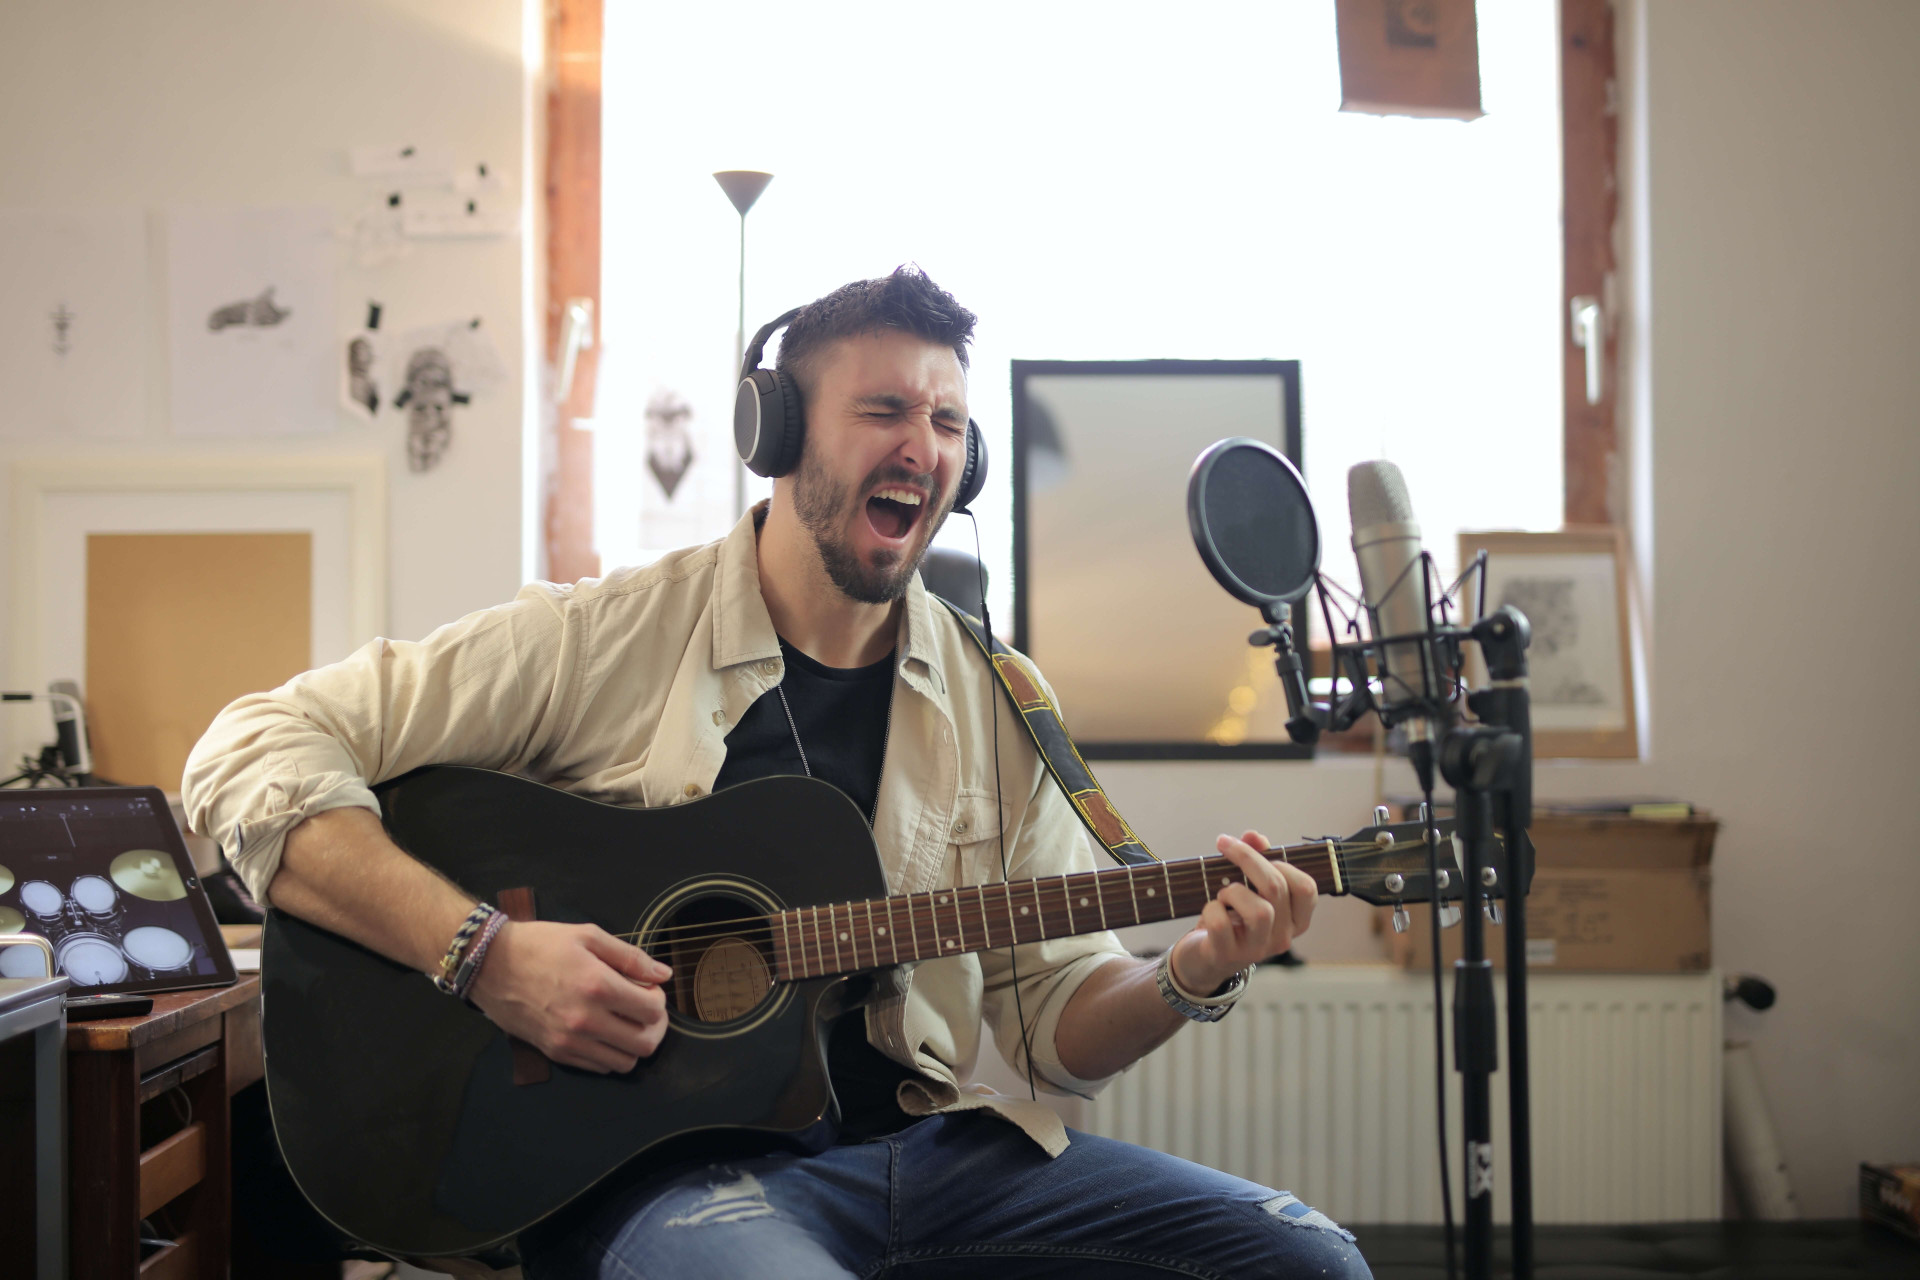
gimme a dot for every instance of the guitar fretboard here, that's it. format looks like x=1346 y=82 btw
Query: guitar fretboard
x=812 y=942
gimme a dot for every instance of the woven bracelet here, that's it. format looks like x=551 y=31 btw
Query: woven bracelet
x=477 y=955
x=457 y=949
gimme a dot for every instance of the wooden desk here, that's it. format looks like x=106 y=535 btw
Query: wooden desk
x=205 y=1043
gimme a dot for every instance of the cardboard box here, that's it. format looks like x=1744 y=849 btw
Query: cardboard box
x=1611 y=894
x=1890 y=1197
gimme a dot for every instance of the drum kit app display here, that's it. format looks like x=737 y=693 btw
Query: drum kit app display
x=118 y=918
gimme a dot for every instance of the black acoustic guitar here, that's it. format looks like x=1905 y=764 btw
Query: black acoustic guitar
x=414 y=1124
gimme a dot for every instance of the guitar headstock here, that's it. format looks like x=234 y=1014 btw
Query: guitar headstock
x=1386 y=865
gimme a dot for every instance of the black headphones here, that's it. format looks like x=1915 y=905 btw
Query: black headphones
x=769 y=424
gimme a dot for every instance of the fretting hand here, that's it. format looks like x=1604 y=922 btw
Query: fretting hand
x=1245 y=923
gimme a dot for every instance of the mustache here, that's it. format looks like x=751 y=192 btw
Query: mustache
x=890 y=473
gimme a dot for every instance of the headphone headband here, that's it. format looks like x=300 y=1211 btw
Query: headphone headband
x=758 y=347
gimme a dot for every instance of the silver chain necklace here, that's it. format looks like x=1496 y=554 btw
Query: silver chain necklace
x=781 y=689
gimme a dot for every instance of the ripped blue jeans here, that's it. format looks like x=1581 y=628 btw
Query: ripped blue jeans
x=952 y=1196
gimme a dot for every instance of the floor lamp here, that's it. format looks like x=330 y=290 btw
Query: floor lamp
x=743 y=187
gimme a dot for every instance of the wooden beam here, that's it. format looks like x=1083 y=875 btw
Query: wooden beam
x=1590 y=197
x=574 y=33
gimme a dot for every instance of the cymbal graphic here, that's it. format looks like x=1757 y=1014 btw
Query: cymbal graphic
x=11 y=921
x=6 y=879
x=149 y=874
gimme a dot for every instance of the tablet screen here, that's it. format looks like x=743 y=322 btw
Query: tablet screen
x=102 y=874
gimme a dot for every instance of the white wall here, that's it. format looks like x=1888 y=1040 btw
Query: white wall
x=127 y=104
x=1771 y=241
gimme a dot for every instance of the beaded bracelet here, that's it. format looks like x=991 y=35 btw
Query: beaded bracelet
x=477 y=956
x=457 y=949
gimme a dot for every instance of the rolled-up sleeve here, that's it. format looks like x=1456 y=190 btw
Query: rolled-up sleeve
x=1049 y=842
x=490 y=690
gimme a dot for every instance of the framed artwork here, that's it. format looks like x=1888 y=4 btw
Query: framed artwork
x=170 y=586
x=1572 y=586
x=1148 y=655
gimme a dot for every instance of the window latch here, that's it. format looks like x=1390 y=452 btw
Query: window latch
x=1589 y=333
x=576 y=335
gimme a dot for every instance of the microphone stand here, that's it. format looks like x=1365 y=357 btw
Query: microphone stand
x=1490 y=767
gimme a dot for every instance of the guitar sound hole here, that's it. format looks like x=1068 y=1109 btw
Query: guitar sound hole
x=722 y=967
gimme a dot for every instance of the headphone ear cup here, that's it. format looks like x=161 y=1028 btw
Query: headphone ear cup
x=793 y=426
x=973 y=476
x=766 y=422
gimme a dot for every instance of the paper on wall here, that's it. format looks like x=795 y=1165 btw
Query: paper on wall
x=251 y=321
x=450 y=214
x=432 y=370
x=73 y=315
x=404 y=163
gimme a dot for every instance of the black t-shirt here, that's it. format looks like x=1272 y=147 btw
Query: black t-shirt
x=841 y=718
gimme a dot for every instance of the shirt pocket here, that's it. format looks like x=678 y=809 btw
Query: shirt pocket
x=974 y=838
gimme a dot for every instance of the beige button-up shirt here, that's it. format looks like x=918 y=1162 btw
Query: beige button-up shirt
x=624 y=689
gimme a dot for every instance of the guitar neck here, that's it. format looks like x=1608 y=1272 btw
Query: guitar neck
x=812 y=942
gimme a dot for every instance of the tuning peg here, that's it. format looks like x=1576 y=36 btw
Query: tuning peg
x=1401 y=920
x=1381 y=814
x=1492 y=909
x=1449 y=914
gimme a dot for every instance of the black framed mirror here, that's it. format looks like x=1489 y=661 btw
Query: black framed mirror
x=1148 y=655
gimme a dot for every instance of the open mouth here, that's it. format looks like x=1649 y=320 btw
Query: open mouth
x=893 y=511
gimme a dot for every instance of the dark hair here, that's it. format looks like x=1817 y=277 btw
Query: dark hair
x=904 y=300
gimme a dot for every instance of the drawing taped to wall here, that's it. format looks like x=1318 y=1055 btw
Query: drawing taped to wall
x=669 y=443
x=361 y=375
x=446 y=365
x=251 y=304
x=73 y=299
x=260 y=312
x=429 y=397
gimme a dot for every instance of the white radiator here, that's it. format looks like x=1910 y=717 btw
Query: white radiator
x=1321 y=1083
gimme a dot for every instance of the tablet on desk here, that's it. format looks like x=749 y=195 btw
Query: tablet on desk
x=103 y=874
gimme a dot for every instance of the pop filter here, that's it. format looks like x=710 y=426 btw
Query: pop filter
x=1253 y=523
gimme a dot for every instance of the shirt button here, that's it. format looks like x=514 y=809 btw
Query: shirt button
x=719 y=717
x=769 y=666
x=960 y=827
x=693 y=789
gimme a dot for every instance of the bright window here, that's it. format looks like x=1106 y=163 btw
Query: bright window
x=1110 y=183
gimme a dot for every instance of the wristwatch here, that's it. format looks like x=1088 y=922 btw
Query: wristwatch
x=1198 y=1008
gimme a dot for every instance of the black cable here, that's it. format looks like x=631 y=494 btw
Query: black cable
x=999 y=817
x=1432 y=836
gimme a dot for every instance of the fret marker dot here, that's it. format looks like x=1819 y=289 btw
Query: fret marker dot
x=1083 y=902
x=950 y=942
x=1149 y=893
x=883 y=931
x=843 y=937
x=943 y=899
x=1023 y=911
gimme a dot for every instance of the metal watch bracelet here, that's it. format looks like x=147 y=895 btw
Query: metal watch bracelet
x=1198 y=1008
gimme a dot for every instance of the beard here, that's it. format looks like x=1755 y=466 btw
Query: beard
x=823 y=506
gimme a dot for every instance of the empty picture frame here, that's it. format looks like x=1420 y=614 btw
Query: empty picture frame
x=1148 y=655
x=1572 y=585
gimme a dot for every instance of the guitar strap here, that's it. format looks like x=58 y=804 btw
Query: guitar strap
x=1055 y=745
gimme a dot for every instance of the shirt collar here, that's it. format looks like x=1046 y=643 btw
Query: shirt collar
x=743 y=629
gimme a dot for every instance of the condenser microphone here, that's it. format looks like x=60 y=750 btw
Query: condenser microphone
x=70 y=727
x=1393 y=586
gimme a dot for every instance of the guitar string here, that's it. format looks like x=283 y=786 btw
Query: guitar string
x=719 y=928
x=763 y=929
x=1175 y=867
x=713 y=930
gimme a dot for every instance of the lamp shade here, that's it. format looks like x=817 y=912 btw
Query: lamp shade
x=743 y=186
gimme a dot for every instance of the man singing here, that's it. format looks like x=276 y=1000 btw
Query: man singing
x=801 y=643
